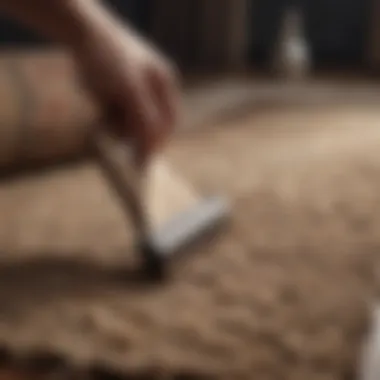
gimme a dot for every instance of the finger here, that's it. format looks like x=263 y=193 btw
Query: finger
x=115 y=121
x=166 y=95
x=134 y=121
x=144 y=120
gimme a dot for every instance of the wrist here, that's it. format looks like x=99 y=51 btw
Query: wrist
x=84 y=18
x=94 y=22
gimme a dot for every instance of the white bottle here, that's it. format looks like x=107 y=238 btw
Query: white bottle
x=292 y=53
x=369 y=365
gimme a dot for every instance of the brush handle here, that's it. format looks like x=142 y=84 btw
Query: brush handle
x=127 y=180
x=124 y=176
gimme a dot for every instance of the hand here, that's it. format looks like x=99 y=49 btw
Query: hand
x=135 y=86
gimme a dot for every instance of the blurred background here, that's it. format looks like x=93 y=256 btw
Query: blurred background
x=340 y=33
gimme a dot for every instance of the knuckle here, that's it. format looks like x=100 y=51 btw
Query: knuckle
x=169 y=72
x=173 y=73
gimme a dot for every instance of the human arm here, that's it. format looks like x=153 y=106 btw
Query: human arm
x=65 y=21
x=127 y=76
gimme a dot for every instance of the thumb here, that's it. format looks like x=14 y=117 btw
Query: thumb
x=143 y=126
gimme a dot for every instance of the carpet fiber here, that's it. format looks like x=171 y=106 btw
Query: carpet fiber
x=281 y=295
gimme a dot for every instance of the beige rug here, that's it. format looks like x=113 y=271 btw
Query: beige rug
x=281 y=295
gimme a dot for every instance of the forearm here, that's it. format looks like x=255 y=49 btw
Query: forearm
x=65 y=21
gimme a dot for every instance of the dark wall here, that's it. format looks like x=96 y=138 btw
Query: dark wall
x=266 y=18
x=12 y=34
x=337 y=29
x=345 y=31
x=136 y=11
